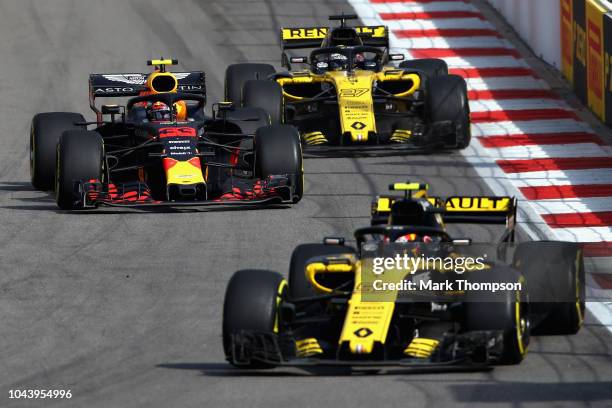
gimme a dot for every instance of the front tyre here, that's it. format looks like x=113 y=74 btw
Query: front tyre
x=505 y=311
x=447 y=101
x=45 y=133
x=251 y=305
x=278 y=152
x=80 y=156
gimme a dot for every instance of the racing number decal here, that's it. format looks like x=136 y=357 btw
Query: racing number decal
x=353 y=93
x=177 y=131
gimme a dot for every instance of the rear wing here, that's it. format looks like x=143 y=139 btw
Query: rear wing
x=458 y=210
x=127 y=85
x=134 y=84
x=312 y=37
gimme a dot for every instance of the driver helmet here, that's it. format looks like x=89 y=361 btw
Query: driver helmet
x=412 y=238
x=338 y=61
x=159 y=112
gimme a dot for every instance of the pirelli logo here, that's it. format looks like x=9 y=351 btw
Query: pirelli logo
x=567 y=39
x=595 y=58
x=586 y=50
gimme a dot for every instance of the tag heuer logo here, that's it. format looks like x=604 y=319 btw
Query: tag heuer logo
x=358 y=125
x=363 y=332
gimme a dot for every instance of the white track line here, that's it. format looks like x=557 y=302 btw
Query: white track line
x=499 y=83
x=548 y=151
x=584 y=234
x=485 y=62
x=451 y=42
x=486 y=105
x=441 y=23
x=561 y=177
x=572 y=205
x=422 y=8
x=529 y=127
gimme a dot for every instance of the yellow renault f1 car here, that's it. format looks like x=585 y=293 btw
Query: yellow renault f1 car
x=331 y=310
x=351 y=98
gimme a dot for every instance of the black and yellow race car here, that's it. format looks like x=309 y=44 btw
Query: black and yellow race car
x=350 y=97
x=160 y=149
x=332 y=310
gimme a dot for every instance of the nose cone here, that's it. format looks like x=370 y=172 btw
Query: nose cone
x=183 y=172
x=355 y=104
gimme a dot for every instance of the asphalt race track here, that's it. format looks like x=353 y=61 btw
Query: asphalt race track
x=124 y=308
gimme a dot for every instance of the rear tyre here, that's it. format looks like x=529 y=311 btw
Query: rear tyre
x=46 y=130
x=431 y=67
x=80 y=155
x=447 y=100
x=251 y=304
x=278 y=152
x=267 y=95
x=236 y=75
x=555 y=277
x=299 y=286
x=505 y=311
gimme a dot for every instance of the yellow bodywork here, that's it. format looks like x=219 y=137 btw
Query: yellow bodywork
x=183 y=172
x=369 y=314
x=366 y=323
x=355 y=99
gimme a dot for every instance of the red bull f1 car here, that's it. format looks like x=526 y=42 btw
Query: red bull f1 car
x=327 y=313
x=160 y=148
x=350 y=97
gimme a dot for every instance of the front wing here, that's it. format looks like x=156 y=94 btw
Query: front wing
x=473 y=350
x=92 y=194
x=433 y=139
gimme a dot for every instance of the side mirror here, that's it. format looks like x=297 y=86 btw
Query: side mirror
x=225 y=106
x=333 y=240
x=220 y=109
x=396 y=57
x=111 y=109
x=298 y=60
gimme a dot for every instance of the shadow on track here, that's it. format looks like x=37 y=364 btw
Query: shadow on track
x=226 y=370
x=16 y=186
x=520 y=392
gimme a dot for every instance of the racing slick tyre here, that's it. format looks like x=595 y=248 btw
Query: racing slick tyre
x=80 y=155
x=236 y=75
x=277 y=152
x=46 y=130
x=251 y=304
x=299 y=286
x=505 y=311
x=447 y=101
x=555 y=278
x=267 y=95
x=431 y=67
